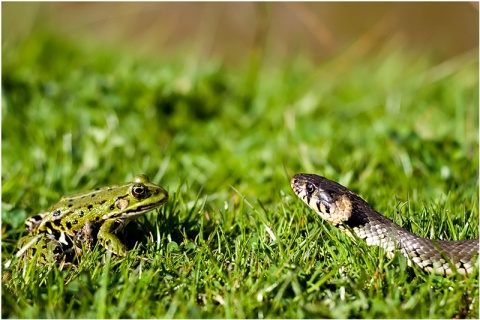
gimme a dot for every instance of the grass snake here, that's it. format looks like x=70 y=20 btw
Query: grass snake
x=349 y=212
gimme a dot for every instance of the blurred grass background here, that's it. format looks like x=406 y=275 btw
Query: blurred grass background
x=220 y=103
x=232 y=32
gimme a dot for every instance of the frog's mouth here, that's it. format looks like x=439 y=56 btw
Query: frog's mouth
x=139 y=210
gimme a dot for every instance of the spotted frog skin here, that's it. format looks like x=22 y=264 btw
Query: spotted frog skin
x=80 y=218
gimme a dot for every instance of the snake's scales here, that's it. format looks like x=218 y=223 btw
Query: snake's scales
x=346 y=210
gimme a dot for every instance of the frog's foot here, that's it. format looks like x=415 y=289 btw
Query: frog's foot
x=63 y=265
x=110 y=241
x=143 y=258
x=86 y=236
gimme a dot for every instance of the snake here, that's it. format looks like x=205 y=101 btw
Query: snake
x=350 y=213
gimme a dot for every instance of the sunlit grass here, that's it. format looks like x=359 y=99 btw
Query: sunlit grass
x=233 y=240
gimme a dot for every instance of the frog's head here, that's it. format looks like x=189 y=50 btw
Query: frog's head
x=139 y=197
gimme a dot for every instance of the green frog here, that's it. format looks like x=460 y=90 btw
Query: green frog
x=80 y=219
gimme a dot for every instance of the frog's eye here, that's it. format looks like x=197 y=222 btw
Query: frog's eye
x=139 y=191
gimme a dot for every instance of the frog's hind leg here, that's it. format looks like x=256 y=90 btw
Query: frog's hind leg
x=24 y=244
x=33 y=222
x=86 y=236
x=45 y=248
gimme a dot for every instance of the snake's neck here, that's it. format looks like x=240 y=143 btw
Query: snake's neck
x=438 y=256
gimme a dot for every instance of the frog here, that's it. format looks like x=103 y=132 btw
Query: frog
x=80 y=219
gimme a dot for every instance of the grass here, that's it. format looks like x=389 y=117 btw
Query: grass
x=233 y=241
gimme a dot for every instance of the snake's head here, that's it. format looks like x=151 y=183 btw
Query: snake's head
x=327 y=198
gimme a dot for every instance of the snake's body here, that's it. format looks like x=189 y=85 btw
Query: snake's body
x=346 y=210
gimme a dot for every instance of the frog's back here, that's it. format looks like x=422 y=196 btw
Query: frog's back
x=72 y=211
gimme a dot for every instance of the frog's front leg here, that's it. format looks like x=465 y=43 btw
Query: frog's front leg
x=109 y=240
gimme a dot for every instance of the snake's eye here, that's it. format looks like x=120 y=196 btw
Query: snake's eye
x=139 y=191
x=310 y=188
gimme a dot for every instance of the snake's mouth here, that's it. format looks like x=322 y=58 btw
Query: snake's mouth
x=296 y=188
x=298 y=184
